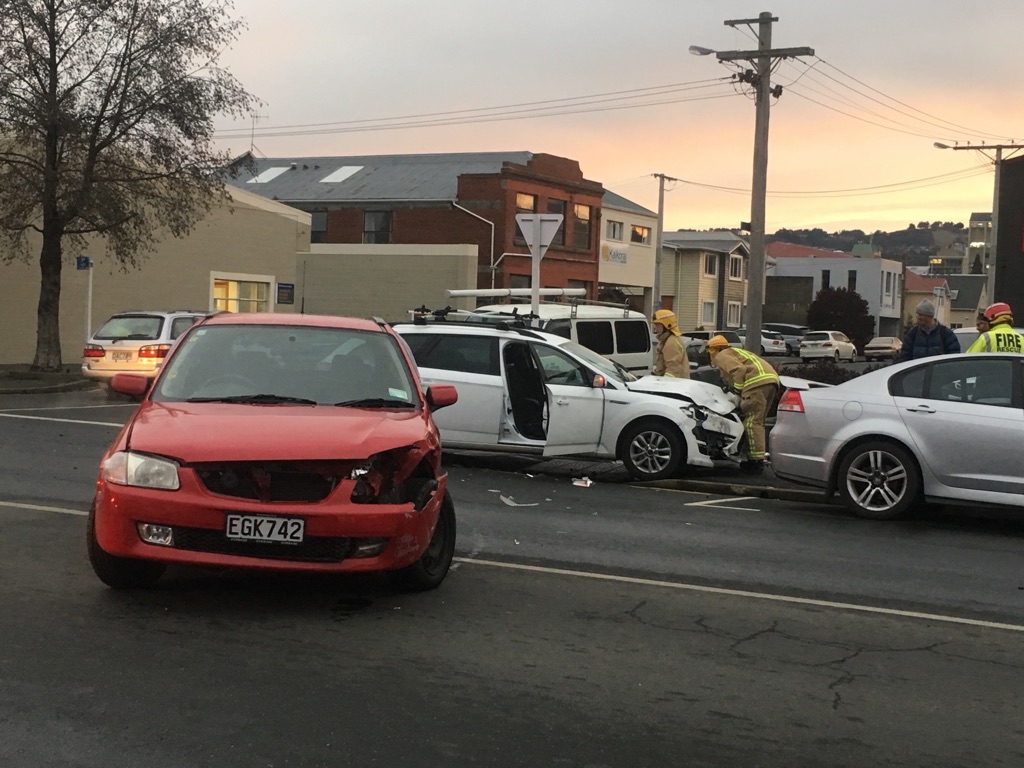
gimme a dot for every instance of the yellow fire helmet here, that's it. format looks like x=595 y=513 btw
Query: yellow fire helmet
x=667 y=318
x=717 y=342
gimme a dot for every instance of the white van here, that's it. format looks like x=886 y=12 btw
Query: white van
x=611 y=330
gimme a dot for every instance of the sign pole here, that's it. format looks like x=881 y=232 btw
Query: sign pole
x=536 y=252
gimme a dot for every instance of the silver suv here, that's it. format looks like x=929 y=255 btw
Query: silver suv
x=135 y=342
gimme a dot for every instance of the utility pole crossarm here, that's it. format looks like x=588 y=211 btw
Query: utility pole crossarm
x=781 y=53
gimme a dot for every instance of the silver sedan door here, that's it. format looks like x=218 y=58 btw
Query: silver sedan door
x=965 y=415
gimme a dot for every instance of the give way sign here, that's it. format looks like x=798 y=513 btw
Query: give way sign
x=539 y=230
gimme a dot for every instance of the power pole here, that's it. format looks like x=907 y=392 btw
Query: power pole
x=998 y=162
x=655 y=302
x=760 y=78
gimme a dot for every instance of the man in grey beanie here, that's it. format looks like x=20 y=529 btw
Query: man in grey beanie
x=929 y=337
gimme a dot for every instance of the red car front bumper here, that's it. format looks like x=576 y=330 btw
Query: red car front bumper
x=334 y=528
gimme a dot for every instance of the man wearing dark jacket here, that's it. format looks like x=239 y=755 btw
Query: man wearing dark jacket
x=929 y=337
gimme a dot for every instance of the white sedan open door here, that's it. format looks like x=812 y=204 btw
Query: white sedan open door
x=575 y=407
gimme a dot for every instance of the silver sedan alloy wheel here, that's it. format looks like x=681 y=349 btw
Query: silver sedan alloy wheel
x=877 y=481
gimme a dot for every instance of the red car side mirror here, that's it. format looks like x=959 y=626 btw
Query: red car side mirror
x=441 y=395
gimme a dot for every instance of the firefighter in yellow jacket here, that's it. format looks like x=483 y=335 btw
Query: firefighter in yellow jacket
x=670 y=356
x=1000 y=336
x=757 y=384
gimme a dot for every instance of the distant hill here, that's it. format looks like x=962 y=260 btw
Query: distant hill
x=913 y=246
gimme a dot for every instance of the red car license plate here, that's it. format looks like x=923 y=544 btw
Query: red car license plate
x=278 y=530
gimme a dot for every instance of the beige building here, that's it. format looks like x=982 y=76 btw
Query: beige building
x=627 y=255
x=704 y=279
x=252 y=255
x=242 y=256
x=385 y=281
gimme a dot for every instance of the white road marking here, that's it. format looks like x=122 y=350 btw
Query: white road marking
x=666 y=584
x=37 y=508
x=68 y=407
x=717 y=503
x=117 y=424
x=743 y=593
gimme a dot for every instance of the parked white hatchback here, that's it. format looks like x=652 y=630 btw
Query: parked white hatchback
x=833 y=344
x=527 y=391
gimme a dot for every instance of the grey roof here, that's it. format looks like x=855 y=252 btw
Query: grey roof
x=370 y=177
x=981 y=217
x=619 y=203
x=717 y=241
x=968 y=290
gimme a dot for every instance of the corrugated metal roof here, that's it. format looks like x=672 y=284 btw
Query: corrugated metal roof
x=715 y=241
x=619 y=203
x=371 y=177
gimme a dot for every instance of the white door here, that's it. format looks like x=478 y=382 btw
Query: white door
x=575 y=408
x=470 y=363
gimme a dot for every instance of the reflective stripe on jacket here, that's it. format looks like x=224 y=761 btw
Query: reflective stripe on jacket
x=742 y=369
x=1002 y=338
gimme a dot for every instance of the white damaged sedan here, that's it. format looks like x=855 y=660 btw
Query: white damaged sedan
x=526 y=391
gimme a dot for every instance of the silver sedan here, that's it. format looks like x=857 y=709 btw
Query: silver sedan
x=948 y=429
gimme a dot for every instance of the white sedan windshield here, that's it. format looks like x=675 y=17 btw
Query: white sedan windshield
x=600 y=364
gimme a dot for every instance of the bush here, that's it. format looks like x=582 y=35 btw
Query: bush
x=825 y=371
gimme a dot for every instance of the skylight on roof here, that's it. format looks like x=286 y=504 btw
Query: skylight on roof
x=267 y=175
x=341 y=174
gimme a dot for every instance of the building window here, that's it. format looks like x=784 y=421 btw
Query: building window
x=640 y=235
x=558 y=206
x=615 y=230
x=888 y=283
x=707 y=314
x=710 y=264
x=241 y=295
x=519 y=281
x=735 y=267
x=826 y=279
x=581 y=227
x=377 y=227
x=318 y=227
x=584 y=284
x=851 y=280
x=733 y=314
x=526 y=203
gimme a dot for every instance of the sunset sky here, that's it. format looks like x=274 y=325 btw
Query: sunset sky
x=851 y=138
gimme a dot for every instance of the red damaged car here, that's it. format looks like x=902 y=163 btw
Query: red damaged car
x=285 y=442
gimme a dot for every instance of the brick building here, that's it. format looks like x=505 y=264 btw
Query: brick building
x=462 y=198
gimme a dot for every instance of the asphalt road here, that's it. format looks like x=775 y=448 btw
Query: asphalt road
x=605 y=626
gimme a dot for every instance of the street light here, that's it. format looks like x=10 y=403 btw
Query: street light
x=699 y=50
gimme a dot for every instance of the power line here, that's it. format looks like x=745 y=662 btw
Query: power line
x=901 y=186
x=915 y=109
x=544 y=107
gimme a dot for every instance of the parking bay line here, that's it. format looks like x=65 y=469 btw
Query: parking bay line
x=63 y=421
x=744 y=593
x=38 y=508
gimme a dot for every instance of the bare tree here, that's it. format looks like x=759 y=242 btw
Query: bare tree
x=106 y=127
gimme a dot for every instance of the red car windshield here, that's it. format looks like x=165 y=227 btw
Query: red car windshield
x=270 y=364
